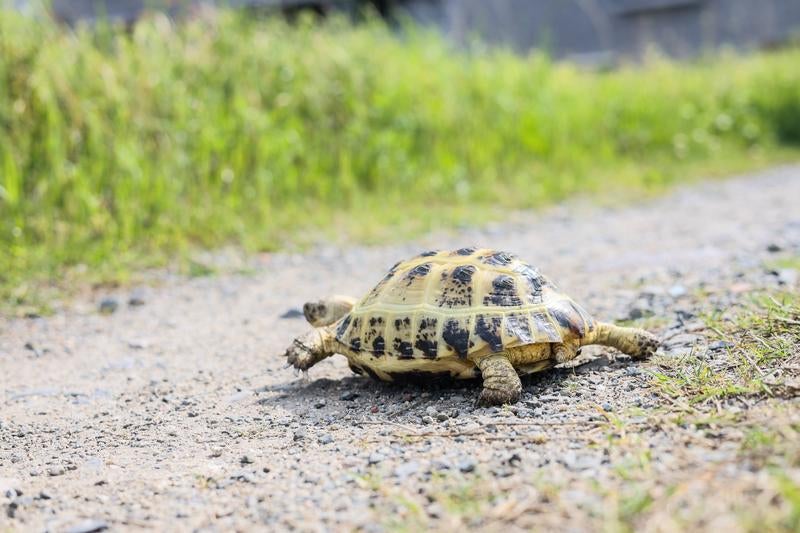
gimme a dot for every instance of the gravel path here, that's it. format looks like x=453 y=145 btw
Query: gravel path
x=175 y=412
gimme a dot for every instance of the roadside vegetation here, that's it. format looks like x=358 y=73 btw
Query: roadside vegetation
x=127 y=149
x=757 y=345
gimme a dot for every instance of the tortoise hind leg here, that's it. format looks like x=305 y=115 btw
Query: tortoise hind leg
x=501 y=383
x=326 y=311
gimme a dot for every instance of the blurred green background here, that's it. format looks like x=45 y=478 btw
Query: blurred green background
x=129 y=147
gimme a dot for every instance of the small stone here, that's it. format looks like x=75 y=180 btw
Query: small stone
x=632 y=371
x=682 y=339
x=136 y=299
x=55 y=471
x=325 y=439
x=375 y=458
x=108 y=305
x=88 y=526
x=245 y=476
x=435 y=510
x=720 y=345
x=787 y=276
x=9 y=485
x=137 y=344
x=466 y=465
x=441 y=417
x=44 y=496
x=427 y=419
x=319 y=404
x=299 y=434
x=374 y=409
x=607 y=407
x=215 y=452
x=32 y=347
x=676 y=291
x=406 y=469
x=774 y=248
x=245 y=460
x=348 y=396
x=431 y=411
x=438 y=464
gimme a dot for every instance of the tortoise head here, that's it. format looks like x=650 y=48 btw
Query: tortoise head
x=328 y=310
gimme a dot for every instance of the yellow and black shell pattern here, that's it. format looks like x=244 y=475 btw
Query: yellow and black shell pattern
x=459 y=303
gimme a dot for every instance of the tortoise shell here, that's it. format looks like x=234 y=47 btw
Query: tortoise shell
x=460 y=303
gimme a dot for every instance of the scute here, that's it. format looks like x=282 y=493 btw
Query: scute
x=457 y=303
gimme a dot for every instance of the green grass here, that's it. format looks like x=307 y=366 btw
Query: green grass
x=764 y=336
x=123 y=150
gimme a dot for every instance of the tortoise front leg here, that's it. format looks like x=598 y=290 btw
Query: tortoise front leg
x=311 y=348
x=501 y=383
x=563 y=352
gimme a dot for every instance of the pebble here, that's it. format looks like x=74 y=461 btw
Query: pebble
x=299 y=434
x=441 y=417
x=427 y=419
x=319 y=404
x=466 y=465
x=580 y=462
x=56 y=471
x=676 y=291
x=607 y=407
x=136 y=299
x=108 y=305
x=88 y=526
x=375 y=458
x=325 y=439
x=32 y=347
x=787 y=276
x=348 y=396
x=245 y=460
x=137 y=344
x=720 y=345
x=635 y=313
x=682 y=339
x=406 y=469
x=774 y=248
x=438 y=464
x=7 y=485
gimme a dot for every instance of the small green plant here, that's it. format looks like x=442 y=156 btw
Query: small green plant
x=761 y=337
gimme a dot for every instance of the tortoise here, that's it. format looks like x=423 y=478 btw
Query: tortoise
x=465 y=313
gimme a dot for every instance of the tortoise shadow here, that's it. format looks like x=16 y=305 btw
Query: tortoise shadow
x=363 y=394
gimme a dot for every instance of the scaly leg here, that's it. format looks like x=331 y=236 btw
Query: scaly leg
x=327 y=310
x=500 y=381
x=635 y=342
x=563 y=352
x=311 y=348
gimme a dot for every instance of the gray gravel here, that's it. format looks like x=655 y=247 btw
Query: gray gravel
x=175 y=412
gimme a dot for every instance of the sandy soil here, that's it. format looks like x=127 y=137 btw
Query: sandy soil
x=178 y=414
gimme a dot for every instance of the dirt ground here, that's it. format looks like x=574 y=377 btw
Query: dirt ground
x=173 y=411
